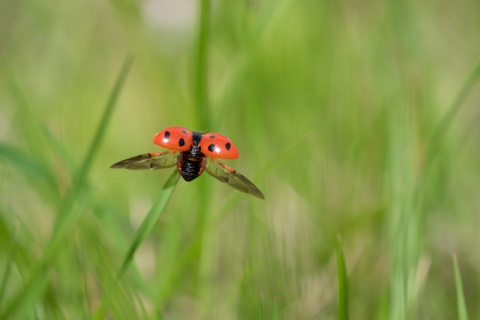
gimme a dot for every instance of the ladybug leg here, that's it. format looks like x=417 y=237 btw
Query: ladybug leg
x=179 y=163
x=202 y=166
x=224 y=165
x=154 y=154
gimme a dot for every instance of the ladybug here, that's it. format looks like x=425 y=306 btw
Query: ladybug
x=192 y=153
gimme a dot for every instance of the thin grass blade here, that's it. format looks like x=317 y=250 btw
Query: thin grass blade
x=442 y=129
x=8 y=266
x=30 y=128
x=146 y=227
x=67 y=215
x=151 y=219
x=462 y=307
x=82 y=173
x=107 y=115
x=342 y=282
x=201 y=68
x=59 y=150
x=28 y=165
x=202 y=119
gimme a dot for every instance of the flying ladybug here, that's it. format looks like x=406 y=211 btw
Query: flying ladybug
x=192 y=153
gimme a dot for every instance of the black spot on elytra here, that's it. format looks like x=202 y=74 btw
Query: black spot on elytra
x=212 y=136
x=167 y=134
x=181 y=142
x=228 y=145
x=184 y=131
x=211 y=147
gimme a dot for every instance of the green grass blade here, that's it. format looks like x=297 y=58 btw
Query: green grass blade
x=441 y=130
x=31 y=128
x=455 y=107
x=65 y=221
x=201 y=68
x=59 y=150
x=403 y=219
x=8 y=265
x=82 y=173
x=151 y=219
x=27 y=165
x=342 y=282
x=202 y=119
x=462 y=308
x=102 y=127
x=146 y=227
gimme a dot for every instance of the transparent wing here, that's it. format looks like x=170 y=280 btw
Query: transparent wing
x=234 y=179
x=150 y=161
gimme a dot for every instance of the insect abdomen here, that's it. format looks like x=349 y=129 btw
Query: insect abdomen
x=190 y=168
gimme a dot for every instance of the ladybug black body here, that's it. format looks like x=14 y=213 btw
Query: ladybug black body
x=192 y=163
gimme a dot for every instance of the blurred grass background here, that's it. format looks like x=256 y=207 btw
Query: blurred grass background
x=355 y=118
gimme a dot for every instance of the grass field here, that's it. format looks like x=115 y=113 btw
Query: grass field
x=359 y=121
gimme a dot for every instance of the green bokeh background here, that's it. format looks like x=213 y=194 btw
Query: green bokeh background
x=355 y=118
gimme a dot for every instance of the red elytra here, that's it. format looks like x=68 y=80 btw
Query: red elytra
x=210 y=144
x=174 y=138
x=218 y=146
